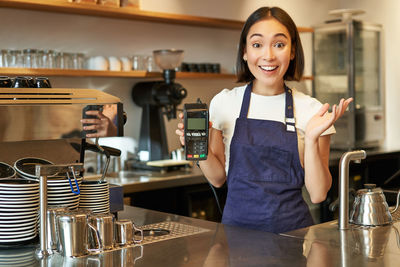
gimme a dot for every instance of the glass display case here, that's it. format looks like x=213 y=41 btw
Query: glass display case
x=347 y=63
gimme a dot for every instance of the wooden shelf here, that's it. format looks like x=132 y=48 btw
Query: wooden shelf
x=130 y=13
x=112 y=74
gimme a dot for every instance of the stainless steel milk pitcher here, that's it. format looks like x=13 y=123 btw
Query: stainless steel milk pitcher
x=74 y=233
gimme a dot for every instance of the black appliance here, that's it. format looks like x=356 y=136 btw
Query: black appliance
x=158 y=98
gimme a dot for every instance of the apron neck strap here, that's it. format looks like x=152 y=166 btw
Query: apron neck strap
x=290 y=121
x=246 y=101
x=289 y=114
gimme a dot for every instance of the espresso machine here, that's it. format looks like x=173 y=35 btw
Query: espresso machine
x=45 y=123
x=158 y=98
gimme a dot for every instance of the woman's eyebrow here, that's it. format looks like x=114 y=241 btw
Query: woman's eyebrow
x=276 y=35
x=256 y=35
x=281 y=34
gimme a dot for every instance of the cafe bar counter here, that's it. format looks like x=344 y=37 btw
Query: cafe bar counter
x=194 y=242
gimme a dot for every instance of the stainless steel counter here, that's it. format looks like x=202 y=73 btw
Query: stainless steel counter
x=141 y=180
x=222 y=246
x=357 y=246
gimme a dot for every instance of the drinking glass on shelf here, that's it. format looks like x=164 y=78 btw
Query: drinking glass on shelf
x=74 y=61
x=81 y=61
x=12 y=58
x=137 y=62
x=30 y=58
x=17 y=59
x=59 y=60
x=39 y=59
x=68 y=61
x=77 y=61
x=1 y=58
x=5 y=58
x=49 y=59
x=149 y=64
x=63 y=60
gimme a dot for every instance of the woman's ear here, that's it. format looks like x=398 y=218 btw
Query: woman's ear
x=244 y=55
x=292 y=53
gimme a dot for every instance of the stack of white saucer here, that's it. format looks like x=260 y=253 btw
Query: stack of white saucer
x=19 y=205
x=95 y=196
x=60 y=193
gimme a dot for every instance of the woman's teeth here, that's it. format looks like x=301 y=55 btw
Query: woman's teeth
x=268 y=68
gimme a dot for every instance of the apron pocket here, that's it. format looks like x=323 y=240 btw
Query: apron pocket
x=263 y=164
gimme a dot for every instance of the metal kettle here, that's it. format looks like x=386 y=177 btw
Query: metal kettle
x=370 y=207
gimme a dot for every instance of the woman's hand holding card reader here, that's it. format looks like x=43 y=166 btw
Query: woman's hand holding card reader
x=196 y=131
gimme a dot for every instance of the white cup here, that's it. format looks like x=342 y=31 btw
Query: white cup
x=126 y=63
x=114 y=64
x=97 y=63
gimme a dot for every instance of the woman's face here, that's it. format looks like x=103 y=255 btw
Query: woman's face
x=268 y=53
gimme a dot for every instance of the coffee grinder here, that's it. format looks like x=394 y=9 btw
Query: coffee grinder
x=158 y=98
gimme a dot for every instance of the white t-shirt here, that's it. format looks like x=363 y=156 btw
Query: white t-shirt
x=225 y=109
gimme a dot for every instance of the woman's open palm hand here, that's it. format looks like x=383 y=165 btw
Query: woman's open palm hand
x=324 y=119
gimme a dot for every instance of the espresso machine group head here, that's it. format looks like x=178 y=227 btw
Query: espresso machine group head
x=158 y=98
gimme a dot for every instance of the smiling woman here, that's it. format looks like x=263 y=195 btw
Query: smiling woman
x=268 y=140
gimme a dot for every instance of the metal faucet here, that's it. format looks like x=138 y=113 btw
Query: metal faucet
x=356 y=156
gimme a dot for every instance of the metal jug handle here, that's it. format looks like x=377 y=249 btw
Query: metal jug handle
x=135 y=229
x=78 y=191
x=100 y=248
x=397 y=203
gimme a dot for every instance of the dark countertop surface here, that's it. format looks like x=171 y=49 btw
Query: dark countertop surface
x=219 y=245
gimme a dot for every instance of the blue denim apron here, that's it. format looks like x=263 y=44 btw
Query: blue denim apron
x=265 y=175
